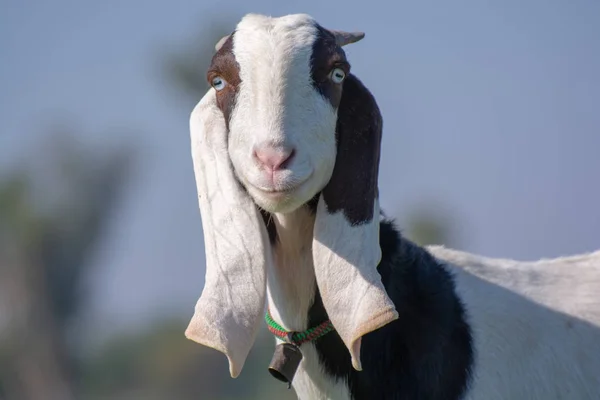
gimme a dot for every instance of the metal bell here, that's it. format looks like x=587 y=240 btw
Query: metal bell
x=285 y=362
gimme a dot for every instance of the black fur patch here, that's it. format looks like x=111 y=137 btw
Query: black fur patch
x=427 y=354
x=327 y=55
x=353 y=184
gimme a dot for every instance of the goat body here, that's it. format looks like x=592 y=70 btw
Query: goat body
x=469 y=327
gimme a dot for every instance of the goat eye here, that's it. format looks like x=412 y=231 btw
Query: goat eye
x=338 y=75
x=218 y=83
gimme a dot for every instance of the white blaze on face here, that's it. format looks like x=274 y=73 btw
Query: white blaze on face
x=277 y=107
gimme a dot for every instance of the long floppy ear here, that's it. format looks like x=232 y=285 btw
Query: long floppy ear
x=346 y=247
x=229 y=312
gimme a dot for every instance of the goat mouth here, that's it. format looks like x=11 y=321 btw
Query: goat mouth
x=276 y=192
x=280 y=192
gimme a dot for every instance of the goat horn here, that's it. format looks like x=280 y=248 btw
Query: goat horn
x=343 y=38
x=221 y=42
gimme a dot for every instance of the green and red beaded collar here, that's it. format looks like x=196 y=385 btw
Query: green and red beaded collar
x=298 y=338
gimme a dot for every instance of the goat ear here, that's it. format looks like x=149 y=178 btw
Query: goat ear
x=346 y=247
x=229 y=312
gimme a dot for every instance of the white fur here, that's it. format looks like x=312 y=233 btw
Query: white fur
x=291 y=281
x=290 y=288
x=350 y=285
x=229 y=312
x=278 y=106
x=536 y=325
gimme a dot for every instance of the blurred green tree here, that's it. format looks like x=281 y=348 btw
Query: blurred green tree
x=427 y=225
x=49 y=228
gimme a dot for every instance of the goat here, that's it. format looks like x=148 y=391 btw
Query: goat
x=285 y=146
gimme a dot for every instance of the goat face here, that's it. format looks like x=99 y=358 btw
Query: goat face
x=279 y=84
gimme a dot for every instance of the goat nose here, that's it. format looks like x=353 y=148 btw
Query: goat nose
x=274 y=158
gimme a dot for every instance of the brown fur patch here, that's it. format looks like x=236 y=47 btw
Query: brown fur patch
x=224 y=65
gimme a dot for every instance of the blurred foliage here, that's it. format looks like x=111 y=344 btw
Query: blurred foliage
x=427 y=225
x=161 y=363
x=48 y=234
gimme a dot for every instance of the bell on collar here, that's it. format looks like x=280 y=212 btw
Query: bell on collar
x=285 y=362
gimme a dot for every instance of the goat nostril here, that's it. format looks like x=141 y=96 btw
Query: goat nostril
x=274 y=159
x=288 y=159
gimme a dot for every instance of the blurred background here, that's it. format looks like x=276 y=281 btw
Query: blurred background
x=491 y=142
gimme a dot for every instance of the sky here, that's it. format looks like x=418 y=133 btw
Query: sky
x=491 y=116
